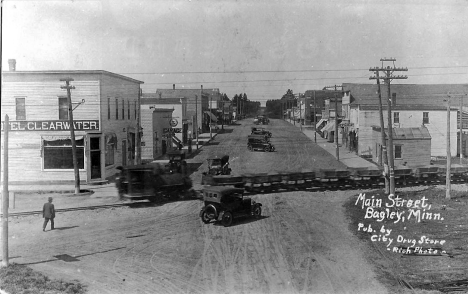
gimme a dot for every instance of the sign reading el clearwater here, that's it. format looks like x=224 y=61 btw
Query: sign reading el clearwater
x=52 y=125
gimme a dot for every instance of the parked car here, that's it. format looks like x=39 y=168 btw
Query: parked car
x=260 y=131
x=260 y=142
x=223 y=204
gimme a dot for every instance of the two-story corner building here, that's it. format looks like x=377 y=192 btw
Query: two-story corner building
x=105 y=113
x=413 y=106
x=197 y=104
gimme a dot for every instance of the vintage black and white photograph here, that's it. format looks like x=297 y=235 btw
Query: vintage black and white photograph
x=234 y=146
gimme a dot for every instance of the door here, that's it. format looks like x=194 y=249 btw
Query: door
x=95 y=157
x=155 y=145
x=164 y=146
x=124 y=152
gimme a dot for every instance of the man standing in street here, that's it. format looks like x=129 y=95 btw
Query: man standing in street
x=48 y=213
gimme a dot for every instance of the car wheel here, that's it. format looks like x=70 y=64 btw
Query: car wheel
x=267 y=149
x=205 y=217
x=257 y=212
x=227 y=219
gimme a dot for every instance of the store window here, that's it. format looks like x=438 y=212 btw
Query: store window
x=58 y=154
x=20 y=108
x=63 y=108
x=398 y=151
x=111 y=145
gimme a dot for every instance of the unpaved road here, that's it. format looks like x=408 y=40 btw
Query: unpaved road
x=301 y=244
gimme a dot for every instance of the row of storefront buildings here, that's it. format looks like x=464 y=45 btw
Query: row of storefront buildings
x=115 y=123
x=418 y=119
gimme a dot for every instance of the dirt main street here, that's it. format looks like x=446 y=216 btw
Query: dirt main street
x=301 y=244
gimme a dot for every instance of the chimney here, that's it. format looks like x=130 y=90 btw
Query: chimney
x=12 y=64
x=173 y=86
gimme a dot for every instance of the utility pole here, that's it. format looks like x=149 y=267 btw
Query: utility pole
x=449 y=155
x=211 y=135
x=382 y=134
x=300 y=111
x=72 y=132
x=138 y=119
x=336 y=130
x=196 y=120
x=5 y=193
x=388 y=77
x=461 y=129
x=315 y=120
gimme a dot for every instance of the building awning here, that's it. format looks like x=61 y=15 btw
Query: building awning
x=329 y=127
x=213 y=117
x=320 y=122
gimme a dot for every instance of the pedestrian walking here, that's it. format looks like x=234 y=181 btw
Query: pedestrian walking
x=48 y=213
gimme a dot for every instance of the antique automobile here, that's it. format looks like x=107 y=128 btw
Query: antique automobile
x=223 y=204
x=219 y=165
x=259 y=142
x=261 y=120
x=177 y=161
x=260 y=131
x=152 y=182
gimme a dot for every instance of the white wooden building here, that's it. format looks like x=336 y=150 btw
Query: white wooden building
x=106 y=113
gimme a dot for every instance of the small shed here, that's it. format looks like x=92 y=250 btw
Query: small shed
x=411 y=146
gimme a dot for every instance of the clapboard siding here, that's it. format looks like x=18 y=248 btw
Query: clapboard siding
x=147 y=125
x=437 y=128
x=41 y=91
x=41 y=99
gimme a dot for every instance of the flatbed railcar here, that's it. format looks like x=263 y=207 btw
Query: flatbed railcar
x=339 y=178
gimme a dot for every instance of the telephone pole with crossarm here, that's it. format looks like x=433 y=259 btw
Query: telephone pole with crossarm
x=388 y=71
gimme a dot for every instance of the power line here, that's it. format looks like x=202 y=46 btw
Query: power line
x=275 y=71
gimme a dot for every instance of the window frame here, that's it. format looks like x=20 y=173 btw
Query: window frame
x=79 y=148
x=110 y=149
x=425 y=117
x=61 y=107
x=108 y=108
x=116 y=108
x=128 y=110
x=20 y=107
x=400 y=152
x=396 y=117
x=123 y=109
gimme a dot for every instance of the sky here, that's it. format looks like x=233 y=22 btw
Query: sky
x=261 y=48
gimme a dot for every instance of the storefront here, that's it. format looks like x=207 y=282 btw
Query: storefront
x=40 y=145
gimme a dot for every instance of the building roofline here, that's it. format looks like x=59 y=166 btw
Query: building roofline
x=102 y=72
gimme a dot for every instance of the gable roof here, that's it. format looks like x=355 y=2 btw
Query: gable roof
x=422 y=94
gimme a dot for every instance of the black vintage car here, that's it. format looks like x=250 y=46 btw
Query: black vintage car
x=153 y=182
x=260 y=142
x=260 y=131
x=223 y=204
